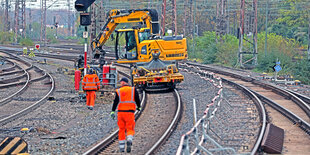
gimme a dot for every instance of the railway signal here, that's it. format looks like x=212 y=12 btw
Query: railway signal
x=82 y=5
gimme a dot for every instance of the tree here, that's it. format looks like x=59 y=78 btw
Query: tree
x=293 y=20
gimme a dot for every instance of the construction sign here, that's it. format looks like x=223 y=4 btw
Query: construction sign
x=31 y=54
x=25 y=51
x=37 y=46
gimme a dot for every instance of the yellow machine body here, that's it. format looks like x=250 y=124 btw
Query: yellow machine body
x=174 y=49
x=140 y=43
x=169 y=77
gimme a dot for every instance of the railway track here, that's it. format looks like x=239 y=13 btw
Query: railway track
x=153 y=126
x=7 y=66
x=37 y=83
x=285 y=110
x=235 y=120
x=148 y=122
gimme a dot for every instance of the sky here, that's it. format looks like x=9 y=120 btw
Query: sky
x=51 y=4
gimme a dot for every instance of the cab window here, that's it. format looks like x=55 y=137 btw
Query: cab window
x=144 y=35
x=131 y=41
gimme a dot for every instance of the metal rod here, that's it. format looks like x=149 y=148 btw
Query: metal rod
x=195 y=112
x=85 y=53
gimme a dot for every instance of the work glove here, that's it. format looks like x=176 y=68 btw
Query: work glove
x=139 y=109
x=112 y=114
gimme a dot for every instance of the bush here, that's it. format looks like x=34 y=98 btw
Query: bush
x=208 y=51
x=26 y=42
x=302 y=71
x=6 y=37
x=279 y=48
x=226 y=53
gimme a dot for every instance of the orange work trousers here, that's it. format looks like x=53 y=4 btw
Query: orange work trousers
x=90 y=98
x=126 y=123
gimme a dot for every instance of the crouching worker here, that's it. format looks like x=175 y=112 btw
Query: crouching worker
x=126 y=99
x=90 y=84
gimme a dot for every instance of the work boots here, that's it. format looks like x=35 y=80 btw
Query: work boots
x=122 y=146
x=129 y=143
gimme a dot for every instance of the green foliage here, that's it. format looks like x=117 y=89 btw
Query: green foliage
x=204 y=49
x=293 y=21
x=72 y=38
x=26 y=42
x=227 y=50
x=51 y=35
x=226 y=53
x=278 y=48
x=6 y=37
x=208 y=51
x=302 y=71
x=36 y=31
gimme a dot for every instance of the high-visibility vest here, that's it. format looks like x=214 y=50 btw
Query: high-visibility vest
x=91 y=82
x=127 y=101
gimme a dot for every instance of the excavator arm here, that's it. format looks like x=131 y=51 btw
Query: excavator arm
x=146 y=17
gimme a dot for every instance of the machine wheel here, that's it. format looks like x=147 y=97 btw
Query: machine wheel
x=171 y=85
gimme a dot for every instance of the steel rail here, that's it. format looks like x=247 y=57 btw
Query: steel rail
x=171 y=127
x=260 y=107
x=112 y=136
x=7 y=99
x=9 y=68
x=290 y=115
x=107 y=141
x=287 y=113
x=23 y=82
x=11 y=79
x=33 y=106
x=301 y=96
x=302 y=104
x=262 y=113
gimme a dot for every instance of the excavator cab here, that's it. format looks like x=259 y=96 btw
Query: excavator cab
x=126 y=44
x=127 y=41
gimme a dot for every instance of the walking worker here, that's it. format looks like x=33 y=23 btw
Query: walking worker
x=126 y=99
x=90 y=84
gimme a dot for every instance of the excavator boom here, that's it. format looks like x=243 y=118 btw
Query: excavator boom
x=146 y=17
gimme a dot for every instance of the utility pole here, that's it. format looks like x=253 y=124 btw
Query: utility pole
x=174 y=2
x=69 y=18
x=169 y=16
x=93 y=27
x=266 y=35
x=43 y=22
x=309 y=37
x=190 y=16
x=248 y=33
x=101 y=14
x=221 y=18
x=16 y=19
x=20 y=18
x=163 y=16
x=185 y=17
x=24 y=17
x=30 y=25
x=194 y=26
x=194 y=19
x=6 y=16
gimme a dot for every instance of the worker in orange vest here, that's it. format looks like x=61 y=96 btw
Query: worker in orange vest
x=90 y=84
x=126 y=99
